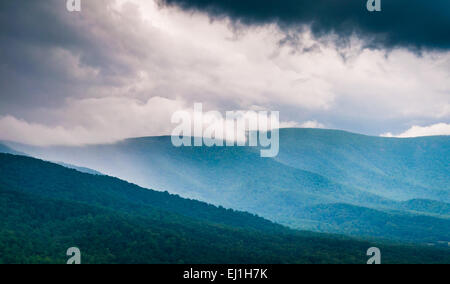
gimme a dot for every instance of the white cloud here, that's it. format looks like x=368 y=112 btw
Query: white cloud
x=108 y=120
x=289 y=124
x=306 y=124
x=419 y=131
x=104 y=120
x=312 y=124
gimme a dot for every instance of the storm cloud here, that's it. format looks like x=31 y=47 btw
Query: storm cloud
x=120 y=68
x=414 y=24
x=49 y=54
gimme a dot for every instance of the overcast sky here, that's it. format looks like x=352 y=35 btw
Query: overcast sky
x=120 y=68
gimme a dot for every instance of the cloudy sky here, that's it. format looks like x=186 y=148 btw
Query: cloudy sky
x=120 y=68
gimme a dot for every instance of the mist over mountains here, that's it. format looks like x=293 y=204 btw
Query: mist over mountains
x=322 y=180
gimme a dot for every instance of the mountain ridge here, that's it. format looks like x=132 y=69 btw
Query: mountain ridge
x=314 y=167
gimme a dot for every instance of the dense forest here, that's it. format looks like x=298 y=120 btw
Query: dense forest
x=46 y=208
x=323 y=180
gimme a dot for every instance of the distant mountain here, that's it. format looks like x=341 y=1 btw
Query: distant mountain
x=371 y=223
x=400 y=169
x=7 y=150
x=80 y=169
x=315 y=168
x=46 y=208
x=426 y=206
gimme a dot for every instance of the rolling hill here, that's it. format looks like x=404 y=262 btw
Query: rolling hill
x=46 y=208
x=399 y=169
x=315 y=170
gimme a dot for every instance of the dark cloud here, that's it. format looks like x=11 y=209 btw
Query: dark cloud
x=415 y=24
x=48 y=54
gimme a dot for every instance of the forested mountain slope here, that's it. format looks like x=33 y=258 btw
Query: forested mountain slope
x=46 y=208
x=315 y=169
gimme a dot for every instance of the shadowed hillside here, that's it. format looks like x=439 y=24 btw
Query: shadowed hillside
x=46 y=208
